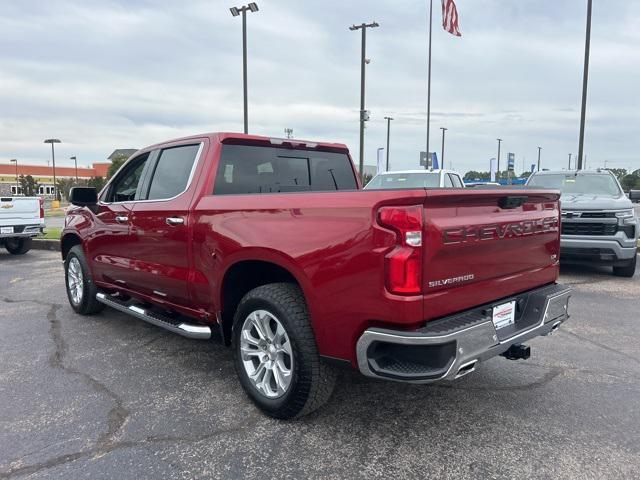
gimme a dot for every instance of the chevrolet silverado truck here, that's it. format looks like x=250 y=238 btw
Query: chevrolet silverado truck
x=21 y=219
x=599 y=224
x=272 y=246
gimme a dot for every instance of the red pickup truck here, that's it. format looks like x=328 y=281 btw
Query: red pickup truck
x=272 y=245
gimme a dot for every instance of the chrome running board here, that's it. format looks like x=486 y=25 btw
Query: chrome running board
x=189 y=330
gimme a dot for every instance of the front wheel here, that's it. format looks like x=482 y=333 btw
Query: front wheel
x=18 y=246
x=275 y=353
x=627 y=270
x=81 y=290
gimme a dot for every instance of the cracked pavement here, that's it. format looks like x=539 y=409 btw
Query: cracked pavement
x=109 y=396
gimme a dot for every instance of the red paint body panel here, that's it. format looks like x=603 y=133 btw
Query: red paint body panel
x=330 y=242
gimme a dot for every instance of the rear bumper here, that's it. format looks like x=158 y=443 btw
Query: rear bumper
x=451 y=347
x=22 y=231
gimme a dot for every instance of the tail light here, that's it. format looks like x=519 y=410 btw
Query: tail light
x=41 y=207
x=403 y=264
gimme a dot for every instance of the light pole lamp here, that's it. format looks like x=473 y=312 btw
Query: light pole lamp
x=235 y=11
x=53 y=141
x=388 y=119
x=15 y=160
x=539 y=151
x=75 y=162
x=363 y=62
x=442 y=151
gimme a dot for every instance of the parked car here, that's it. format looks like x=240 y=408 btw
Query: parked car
x=21 y=219
x=271 y=244
x=599 y=224
x=409 y=179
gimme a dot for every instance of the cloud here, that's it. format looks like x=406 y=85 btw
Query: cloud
x=113 y=74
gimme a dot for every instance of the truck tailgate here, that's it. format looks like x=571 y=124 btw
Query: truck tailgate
x=484 y=245
x=19 y=211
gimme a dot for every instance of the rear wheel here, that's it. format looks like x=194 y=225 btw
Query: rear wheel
x=81 y=290
x=18 y=246
x=275 y=353
x=627 y=270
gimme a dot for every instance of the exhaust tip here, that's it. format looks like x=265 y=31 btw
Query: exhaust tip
x=466 y=368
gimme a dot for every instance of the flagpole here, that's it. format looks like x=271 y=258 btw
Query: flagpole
x=429 y=83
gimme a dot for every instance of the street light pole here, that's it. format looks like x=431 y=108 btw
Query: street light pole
x=235 y=11
x=499 y=144
x=15 y=160
x=429 y=83
x=539 y=150
x=53 y=141
x=388 y=119
x=363 y=61
x=75 y=161
x=442 y=151
x=585 y=81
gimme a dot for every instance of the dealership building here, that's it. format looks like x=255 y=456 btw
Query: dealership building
x=43 y=174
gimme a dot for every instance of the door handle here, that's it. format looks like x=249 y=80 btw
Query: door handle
x=174 y=221
x=122 y=219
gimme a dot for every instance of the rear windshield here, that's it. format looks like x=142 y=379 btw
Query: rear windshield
x=247 y=169
x=581 y=184
x=404 y=181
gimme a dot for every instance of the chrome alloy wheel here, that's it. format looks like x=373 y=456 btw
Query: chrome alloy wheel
x=266 y=353
x=75 y=281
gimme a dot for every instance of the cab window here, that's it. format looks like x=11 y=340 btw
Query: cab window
x=125 y=185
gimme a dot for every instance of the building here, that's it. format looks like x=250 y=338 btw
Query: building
x=43 y=175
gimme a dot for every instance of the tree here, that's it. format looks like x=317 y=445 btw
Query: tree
x=630 y=182
x=472 y=176
x=64 y=186
x=116 y=163
x=29 y=185
x=618 y=172
x=96 y=182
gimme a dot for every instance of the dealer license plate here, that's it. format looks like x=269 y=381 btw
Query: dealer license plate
x=504 y=315
x=6 y=229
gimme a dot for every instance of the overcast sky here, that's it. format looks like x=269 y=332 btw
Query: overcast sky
x=104 y=74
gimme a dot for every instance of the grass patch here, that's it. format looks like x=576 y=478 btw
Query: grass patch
x=52 y=233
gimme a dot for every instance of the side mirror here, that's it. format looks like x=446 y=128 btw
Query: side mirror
x=634 y=195
x=83 y=196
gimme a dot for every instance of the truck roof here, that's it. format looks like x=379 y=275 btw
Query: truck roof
x=258 y=139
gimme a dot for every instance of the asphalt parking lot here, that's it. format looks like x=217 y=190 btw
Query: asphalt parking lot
x=112 y=397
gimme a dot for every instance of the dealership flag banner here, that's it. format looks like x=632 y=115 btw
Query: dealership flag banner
x=450 y=17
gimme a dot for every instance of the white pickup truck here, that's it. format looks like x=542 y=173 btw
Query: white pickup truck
x=21 y=219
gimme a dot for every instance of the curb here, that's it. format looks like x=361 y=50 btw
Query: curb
x=45 y=244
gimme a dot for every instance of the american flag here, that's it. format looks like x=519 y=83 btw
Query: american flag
x=450 y=17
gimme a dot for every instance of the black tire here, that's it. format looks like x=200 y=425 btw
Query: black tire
x=18 y=246
x=628 y=270
x=312 y=380
x=87 y=303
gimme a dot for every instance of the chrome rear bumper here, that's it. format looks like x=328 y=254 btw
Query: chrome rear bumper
x=449 y=348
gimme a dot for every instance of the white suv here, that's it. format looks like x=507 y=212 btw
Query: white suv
x=408 y=179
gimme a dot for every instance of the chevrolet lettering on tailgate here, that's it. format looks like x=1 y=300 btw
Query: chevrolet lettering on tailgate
x=499 y=231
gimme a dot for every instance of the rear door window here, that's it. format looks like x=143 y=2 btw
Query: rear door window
x=455 y=179
x=447 y=181
x=249 y=169
x=172 y=172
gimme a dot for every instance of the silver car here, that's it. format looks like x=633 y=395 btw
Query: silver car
x=599 y=224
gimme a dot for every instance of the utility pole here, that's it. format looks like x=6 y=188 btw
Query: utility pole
x=53 y=141
x=235 y=11
x=499 y=144
x=585 y=81
x=539 y=150
x=363 y=61
x=15 y=160
x=75 y=161
x=388 y=119
x=442 y=151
